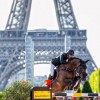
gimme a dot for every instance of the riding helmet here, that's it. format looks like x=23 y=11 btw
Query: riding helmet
x=71 y=52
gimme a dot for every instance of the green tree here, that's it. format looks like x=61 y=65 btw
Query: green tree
x=1 y=96
x=86 y=88
x=19 y=90
x=92 y=85
x=95 y=81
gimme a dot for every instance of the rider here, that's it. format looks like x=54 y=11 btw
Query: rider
x=60 y=60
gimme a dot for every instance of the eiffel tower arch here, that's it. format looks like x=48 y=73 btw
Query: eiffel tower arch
x=47 y=43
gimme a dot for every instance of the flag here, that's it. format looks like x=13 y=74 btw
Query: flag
x=48 y=82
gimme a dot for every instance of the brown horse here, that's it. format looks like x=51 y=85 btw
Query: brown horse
x=66 y=78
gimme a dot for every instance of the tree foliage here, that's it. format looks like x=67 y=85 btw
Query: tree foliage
x=86 y=88
x=1 y=96
x=19 y=90
x=93 y=84
x=95 y=81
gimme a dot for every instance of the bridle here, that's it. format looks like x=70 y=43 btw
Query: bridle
x=81 y=66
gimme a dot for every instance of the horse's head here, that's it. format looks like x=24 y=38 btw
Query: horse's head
x=80 y=67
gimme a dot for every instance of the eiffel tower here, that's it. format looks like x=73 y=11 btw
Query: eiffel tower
x=47 y=43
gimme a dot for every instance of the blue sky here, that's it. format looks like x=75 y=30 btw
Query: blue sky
x=43 y=16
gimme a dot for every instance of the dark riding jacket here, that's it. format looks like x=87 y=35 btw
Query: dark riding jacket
x=60 y=60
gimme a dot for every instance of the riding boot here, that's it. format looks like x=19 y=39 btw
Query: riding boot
x=50 y=77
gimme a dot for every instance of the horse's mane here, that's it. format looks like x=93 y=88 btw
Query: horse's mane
x=70 y=59
x=81 y=61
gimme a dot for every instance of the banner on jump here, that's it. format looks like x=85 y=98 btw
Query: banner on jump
x=41 y=93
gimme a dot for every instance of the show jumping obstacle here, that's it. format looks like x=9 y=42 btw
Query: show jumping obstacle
x=77 y=94
x=45 y=93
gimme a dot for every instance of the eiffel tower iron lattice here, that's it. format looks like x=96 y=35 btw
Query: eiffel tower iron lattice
x=47 y=43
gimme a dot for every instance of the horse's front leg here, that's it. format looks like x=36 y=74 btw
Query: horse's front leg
x=77 y=85
x=56 y=86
